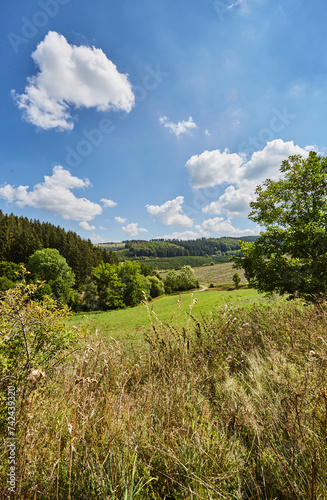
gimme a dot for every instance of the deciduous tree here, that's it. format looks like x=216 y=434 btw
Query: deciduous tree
x=290 y=256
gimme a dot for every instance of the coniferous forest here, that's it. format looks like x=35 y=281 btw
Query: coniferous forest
x=20 y=237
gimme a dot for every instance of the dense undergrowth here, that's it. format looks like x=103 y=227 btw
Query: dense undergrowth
x=230 y=407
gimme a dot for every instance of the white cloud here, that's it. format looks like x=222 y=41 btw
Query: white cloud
x=179 y=128
x=96 y=238
x=234 y=202
x=121 y=220
x=185 y=235
x=85 y=225
x=71 y=77
x=220 y=226
x=54 y=195
x=108 y=203
x=213 y=167
x=206 y=132
x=170 y=213
x=132 y=229
x=8 y=193
x=266 y=163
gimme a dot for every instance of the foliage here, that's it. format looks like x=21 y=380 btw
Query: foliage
x=110 y=287
x=119 y=285
x=236 y=280
x=32 y=332
x=134 y=283
x=185 y=280
x=171 y=282
x=291 y=255
x=174 y=254
x=90 y=296
x=156 y=286
x=10 y=273
x=49 y=266
x=156 y=249
x=21 y=237
x=209 y=246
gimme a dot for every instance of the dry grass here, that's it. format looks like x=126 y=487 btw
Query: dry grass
x=230 y=407
x=217 y=274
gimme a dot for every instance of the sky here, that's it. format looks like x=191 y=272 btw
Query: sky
x=143 y=119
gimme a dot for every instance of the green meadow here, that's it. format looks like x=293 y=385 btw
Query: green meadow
x=131 y=324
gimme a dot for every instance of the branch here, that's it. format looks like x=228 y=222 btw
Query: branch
x=25 y=339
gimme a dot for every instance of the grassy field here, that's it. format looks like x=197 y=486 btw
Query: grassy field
x=233 y=408
x=131 y=324
x=217 y=274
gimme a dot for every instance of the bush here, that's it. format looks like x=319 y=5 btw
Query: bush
x=33 y=335
x=33 y=332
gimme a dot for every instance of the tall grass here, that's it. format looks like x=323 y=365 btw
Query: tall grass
x=232 y=406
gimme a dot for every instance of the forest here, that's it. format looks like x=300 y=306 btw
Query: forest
x=77 y=273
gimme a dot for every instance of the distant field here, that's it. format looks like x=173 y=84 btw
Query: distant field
x=156 y=263
x=218 y=274
x=110 y=246
x=130 y=324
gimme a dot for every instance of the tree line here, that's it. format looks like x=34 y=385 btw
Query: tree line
x=73 y=271
x=20 y=237
x=172 y=248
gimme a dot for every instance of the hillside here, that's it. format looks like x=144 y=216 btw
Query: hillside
x=173 y=254
x=20 y=237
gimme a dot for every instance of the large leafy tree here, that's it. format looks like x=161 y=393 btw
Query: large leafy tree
x=291 y=255
x=185 y=280
x=49 y=266
x=110 y=286
x=119 y=285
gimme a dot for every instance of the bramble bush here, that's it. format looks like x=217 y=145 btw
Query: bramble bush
x=33 y=335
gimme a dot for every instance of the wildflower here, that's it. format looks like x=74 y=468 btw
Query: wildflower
x=35 y=376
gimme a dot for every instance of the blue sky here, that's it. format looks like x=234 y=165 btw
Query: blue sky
x=127 y=119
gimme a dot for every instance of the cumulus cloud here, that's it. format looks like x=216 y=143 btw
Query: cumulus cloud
x=121 y=220
x=266 y=163
x=234 y=202
x=170 y=213
x=108 y=203
x=212 y=168
x=54 y=195
x=132 y=229
x=179 y=128
x=222 y=227
x=85 y=225
x=69 y=77
x=185 y=235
